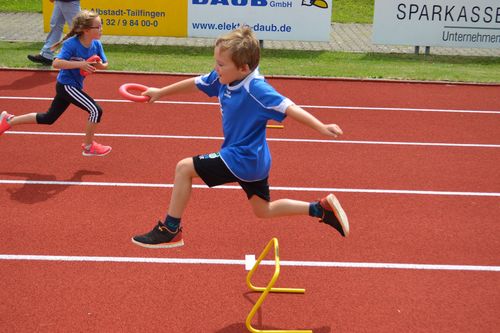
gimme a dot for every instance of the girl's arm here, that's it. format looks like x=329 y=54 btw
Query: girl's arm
x=184 y=86
x=100 y=65
x=304 y=117
x=66 y=64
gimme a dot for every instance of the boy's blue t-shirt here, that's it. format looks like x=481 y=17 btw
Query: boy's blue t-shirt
x=246 y=107
x=72 y=49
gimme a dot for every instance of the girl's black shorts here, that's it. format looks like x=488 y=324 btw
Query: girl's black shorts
x=213 y=171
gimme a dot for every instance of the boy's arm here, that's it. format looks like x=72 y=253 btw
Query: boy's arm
x=304 y=117
x=184 y=86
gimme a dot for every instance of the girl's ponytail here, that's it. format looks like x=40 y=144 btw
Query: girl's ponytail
x=83 y=20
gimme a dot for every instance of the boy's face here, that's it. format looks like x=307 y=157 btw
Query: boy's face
x=226 y=69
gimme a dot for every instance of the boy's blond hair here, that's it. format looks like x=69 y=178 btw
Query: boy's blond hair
x=243 y=45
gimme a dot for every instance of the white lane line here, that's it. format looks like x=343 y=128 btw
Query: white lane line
x=371 y=108
x=203 y=261
x=219 y=138
x=237 y=187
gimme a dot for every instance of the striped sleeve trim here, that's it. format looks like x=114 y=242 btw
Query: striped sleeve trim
x=201 y=80
x=283 y=105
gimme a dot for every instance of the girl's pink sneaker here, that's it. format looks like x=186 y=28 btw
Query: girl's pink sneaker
x=96 y=149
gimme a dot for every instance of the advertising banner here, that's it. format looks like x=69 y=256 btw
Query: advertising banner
x=307 y=20
x=134 y=18
x=446 y=23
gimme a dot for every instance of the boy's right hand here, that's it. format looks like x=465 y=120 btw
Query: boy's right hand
x=153 y=93
x=333 y=130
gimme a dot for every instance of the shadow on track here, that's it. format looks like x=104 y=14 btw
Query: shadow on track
x=241 y=327
x=34 y=193
x=31 y=80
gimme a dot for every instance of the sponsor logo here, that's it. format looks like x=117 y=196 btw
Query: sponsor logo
x=315 y=3
x=260 y=3
x=209 y=156
x=462 y=14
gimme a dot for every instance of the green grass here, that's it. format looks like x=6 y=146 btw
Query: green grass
x=181 y=59
x=34 y=6
x=353 y=11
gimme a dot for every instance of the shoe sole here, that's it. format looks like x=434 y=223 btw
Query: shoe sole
x=90 y=155
x=160 y=246
x=339 y=213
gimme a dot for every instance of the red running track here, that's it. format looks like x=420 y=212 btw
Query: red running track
x=447 y=216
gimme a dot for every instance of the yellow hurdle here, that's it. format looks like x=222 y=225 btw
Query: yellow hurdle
x=269 y=288
x=276 y=126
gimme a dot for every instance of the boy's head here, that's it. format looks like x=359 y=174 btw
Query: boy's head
x=236 y=54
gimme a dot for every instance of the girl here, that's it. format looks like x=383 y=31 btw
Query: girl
x=79 y=44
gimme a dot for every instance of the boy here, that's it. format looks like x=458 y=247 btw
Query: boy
x=247 y=103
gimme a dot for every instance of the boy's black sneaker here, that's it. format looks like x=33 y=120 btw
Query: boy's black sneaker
x=160 y=237
x=40 y=59
x=334 y=215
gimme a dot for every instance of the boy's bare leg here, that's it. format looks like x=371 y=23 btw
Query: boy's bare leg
x=281 y=207
x=330 y=212
x=184 y=174
x=161 y=236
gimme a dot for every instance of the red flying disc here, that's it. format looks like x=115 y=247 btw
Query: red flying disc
x=94 y=58
x=127 y=87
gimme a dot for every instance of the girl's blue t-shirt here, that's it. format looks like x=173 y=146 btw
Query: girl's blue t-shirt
x=72 y=49
x=246 y=107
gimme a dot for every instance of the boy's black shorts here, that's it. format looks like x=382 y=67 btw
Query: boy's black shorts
x=213 y=171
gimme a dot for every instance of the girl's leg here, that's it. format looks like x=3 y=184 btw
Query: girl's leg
x=81 y=99
x=56 y=109
x=281 y=207
x=89 y=133
x=91 y=148
x=184 y=174
x=29 y=118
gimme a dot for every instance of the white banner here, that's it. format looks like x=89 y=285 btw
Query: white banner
x=447 y=23
x=307 y=20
